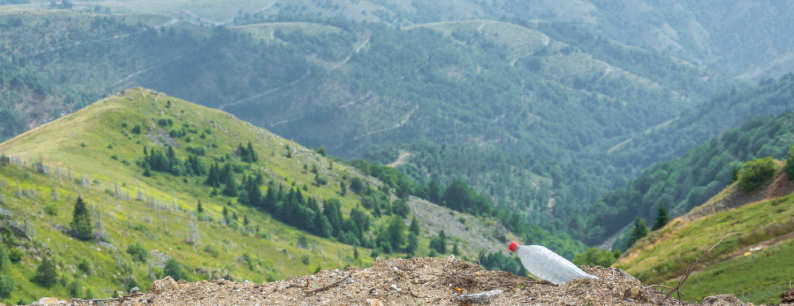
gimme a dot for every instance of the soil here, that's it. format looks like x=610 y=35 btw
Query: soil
x=416 y=281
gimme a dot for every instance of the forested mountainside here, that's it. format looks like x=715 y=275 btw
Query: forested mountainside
x=688 y=181
x=739 y=38
x=165 y=187
x=679 y=183
x=553 y=90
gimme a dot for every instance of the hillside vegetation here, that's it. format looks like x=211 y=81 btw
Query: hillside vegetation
x=559 y=96
x=750 y=261
x=692 y=179
x=144 y=163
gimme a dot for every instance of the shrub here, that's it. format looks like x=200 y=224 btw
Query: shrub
x=595 y=257
x=46 y=275
x=212 y=250
x=5 y=262
x=305 y=259
x=6 y=285
x=86 y=266
x=400 y=207
x=356 y=184
x=51 y=209
x=173 y=269
x=754 y=173
x=75 y=288
x=136 y=129
x=789 y=168
x=138 y=252
x=15 y=255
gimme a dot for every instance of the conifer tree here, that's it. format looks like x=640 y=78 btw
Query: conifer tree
x=455 y=249
x=639 y=231
x=662 y=217
x=343 y=187
x=245 y=220
x=396 y=230
x=231 y=185
x=414 y=228
x=46 y=274
x=413 y=243
x=434 y=192
x=82 y=227
x=199 y=208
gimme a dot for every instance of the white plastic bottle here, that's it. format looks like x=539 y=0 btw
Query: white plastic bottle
x=547 y=265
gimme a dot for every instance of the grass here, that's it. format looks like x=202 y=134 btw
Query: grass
x=96 y=145
x=160 y=220
x=664 y=255
x=758 y=278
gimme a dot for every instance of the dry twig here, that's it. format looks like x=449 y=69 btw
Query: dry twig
x=326 y=287
x=690 y=270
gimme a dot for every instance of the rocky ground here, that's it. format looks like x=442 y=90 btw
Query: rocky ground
x=416 y=281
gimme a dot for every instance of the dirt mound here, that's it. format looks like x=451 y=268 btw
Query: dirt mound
x=417 y=281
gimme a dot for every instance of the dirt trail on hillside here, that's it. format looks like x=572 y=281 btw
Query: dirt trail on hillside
x=416 y=281
x=779 y=187
x=402 y=159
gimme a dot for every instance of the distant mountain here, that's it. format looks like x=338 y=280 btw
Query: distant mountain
x=739 y=38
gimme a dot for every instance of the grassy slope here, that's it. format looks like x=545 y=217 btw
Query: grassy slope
x=160 y=221
x=664 y=255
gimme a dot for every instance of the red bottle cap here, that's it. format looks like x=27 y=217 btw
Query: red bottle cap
x=513 y=246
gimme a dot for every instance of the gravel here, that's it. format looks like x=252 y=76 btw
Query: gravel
x=416 y=281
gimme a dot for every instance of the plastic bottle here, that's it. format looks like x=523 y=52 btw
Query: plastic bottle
x=547 y=265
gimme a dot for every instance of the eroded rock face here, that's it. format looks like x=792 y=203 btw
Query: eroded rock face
x=722 y=300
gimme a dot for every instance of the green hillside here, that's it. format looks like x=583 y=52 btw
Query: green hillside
x=558 y=96
x=142 y=162
x=751 y=262
x=688 y=181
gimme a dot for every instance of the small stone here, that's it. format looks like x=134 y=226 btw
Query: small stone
x=135 y=289
x=636 y=294
x=222 y=281
x=374 y=302
x=722 y=300
x=630 y=300
x=164 y=285
x=393 y=286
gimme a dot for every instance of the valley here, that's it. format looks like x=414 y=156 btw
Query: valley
x=332 y=134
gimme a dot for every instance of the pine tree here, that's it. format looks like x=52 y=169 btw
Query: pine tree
x=231 y=185
x=147 y=172
x=199 y=208
x=46 y=274
x=355 y=253
x=455 y=249
x=396 y=230
x=661 y=217
x=640 y=230
x=414 y=228
x=343 y=187
x=434 y=192
x=413 y=243
x=82 y=227
x=245 y=220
